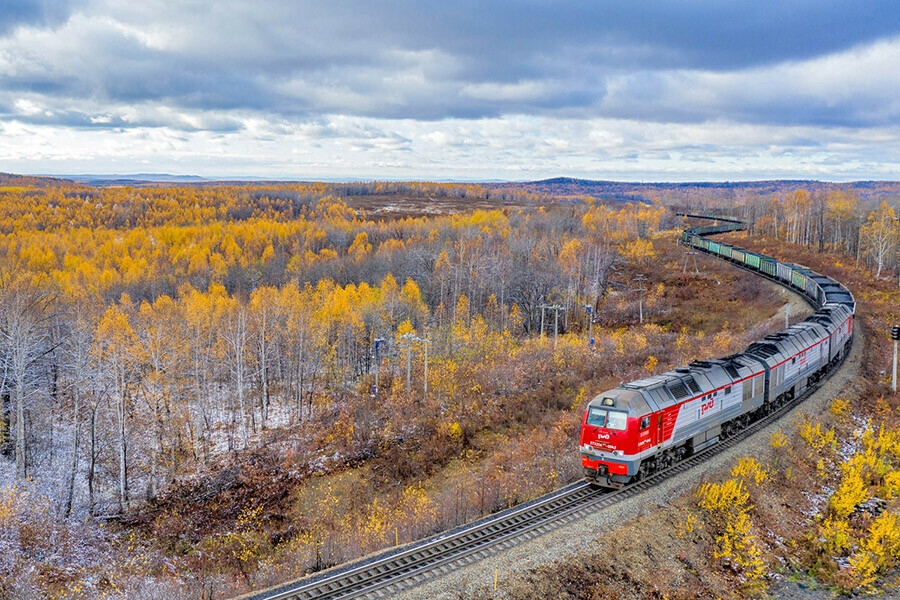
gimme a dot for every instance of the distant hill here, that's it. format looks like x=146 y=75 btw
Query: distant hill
x=135 y=179
x=564 y=187
x=622 y=191
x=13 y=180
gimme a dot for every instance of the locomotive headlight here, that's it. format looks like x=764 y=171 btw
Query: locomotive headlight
x=618 y=453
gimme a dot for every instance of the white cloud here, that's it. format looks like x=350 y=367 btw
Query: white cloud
x=516 y=147
x=437 y=138
x=27 y=107
x=279 y=88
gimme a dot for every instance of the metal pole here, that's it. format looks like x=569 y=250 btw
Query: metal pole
x=894 y=386
x=641 y=289
x=378 y=343
x=641 y=305
x=787 y=316
x=590 y=313
x=895 y=335
x=687 y=258
x=408 y=365
x=425 y=394
x=555 y=326
x=542 y=322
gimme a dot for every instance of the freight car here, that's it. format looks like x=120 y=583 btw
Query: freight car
x=644 y=426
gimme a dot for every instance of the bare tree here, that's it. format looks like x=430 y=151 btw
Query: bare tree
x=24 y=311
x=78 y=350
x=263 y=308
x=880 y=236
x=236 y=333
x=116 y=349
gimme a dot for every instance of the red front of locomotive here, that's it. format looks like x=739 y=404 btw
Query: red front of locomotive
x=612 y=438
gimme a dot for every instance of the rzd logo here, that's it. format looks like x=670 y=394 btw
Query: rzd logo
x=707 y=406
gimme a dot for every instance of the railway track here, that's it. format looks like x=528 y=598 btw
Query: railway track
x=390 y=572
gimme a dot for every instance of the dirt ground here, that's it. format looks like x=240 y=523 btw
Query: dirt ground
x=801 y=587
x=401 y=206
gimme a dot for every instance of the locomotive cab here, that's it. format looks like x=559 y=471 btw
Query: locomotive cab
x=615 y=424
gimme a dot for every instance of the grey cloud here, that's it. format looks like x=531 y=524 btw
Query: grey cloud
x=48 y=13
x=120 y=64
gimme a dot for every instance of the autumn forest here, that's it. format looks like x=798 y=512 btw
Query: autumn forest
x=220 y=387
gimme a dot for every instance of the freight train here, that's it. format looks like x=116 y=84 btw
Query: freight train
x=645 y=426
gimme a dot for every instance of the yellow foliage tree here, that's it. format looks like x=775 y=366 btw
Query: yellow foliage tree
x=638 y=250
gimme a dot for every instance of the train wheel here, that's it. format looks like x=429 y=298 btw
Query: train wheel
x=646 y=469
x=668 y=459
x=642 y=472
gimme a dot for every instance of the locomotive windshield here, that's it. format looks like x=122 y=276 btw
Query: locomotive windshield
x=607 y=419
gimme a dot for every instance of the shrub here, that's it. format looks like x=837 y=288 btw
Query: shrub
x=840 y=408
x=778 y=439
x=38 y=551
x=726 y=506
x=749 y=469
x=849 y=495
x=816 y=437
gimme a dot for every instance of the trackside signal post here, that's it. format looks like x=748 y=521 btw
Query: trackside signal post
x=590 y=312
x=640 y=279
x=555 y=308
x=408 y=339
x=895 y=335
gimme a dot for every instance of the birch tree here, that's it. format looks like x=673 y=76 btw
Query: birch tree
x=117 y=351
x=235 y=332
x=78 y=352
x=23 y=314
x=263 y=308
x=880 y=236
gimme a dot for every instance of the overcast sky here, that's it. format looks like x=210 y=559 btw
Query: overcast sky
x=645 y=90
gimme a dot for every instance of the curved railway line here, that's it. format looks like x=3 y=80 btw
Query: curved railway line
x=390 y=572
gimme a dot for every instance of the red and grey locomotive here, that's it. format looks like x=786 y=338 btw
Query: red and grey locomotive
x=645 y=426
